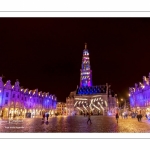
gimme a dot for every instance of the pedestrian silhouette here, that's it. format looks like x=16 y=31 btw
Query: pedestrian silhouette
x=43 y=117
x=89 y=118
x=47 y=115
x=117 y=117
x=146 y=116
x=139 y=117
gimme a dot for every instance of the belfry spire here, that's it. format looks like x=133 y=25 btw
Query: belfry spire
x=85 y=45
x=85 y=71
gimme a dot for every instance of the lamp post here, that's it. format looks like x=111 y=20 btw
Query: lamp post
x=129 y=101
x=124 y=103
x=118 y=104
x=121 y=105
x=121 y=99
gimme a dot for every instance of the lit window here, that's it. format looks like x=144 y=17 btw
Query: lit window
x=6 y=102
x=7 y=94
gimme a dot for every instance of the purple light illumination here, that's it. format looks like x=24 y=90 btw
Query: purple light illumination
x=86 y=72
x=16 y=98
x=140 y=94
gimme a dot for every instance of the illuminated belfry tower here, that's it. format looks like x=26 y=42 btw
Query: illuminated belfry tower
x=86 y=72
x=98 y=99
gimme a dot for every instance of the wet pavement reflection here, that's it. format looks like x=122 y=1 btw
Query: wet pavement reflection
x=78 y=124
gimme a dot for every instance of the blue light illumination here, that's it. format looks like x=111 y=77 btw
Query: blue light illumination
x=24 y=100
x=86 y=72
x=91 y=90
x=140 y=94
x=109 y=113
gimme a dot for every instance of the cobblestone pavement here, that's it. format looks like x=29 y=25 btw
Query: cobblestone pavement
x=75 y=124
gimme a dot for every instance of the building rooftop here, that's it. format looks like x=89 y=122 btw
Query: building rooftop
x=91 y=90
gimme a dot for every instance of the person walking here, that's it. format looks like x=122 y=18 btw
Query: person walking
x=117 y=117
x=146 y=116
x=43 y=117
x=10 y=115
x=140 y=117
x=47 y=115
x=89 y=118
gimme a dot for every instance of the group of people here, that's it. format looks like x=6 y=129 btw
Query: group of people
x=139 y=117
x=45 y=115
x=124 y=115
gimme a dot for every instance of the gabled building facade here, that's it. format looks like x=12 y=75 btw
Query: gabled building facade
x=61 y=108
x=139 y=96
x=16 y=101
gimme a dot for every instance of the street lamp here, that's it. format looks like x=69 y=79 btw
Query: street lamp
x=124 y=102
x=121 y=100
x=65 y=111
x=117 y=104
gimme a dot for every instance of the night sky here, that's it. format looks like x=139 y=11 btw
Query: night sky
x=46 y=53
